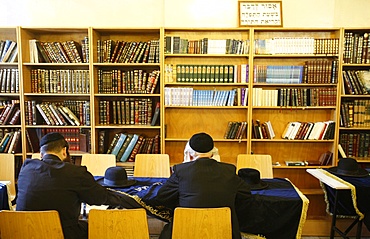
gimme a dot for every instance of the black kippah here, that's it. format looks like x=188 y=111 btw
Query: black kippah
x=50 y=137
x=201 y=143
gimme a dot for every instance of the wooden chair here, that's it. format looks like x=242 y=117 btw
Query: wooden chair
x=202 y=223
x=97 y=163
x=123 y=224
x=30 y=224
x=36 y=156
x=7 y=168
x=152 y=165
x=262 y=163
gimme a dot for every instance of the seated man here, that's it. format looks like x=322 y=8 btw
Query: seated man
x=54 y=184
x=202 y=182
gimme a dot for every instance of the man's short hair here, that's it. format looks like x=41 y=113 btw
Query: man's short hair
x=53 y=142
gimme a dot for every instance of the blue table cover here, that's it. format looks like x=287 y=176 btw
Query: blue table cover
x=4 y=200
x=274 y=212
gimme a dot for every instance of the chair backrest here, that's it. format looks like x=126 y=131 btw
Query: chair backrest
x=123 y=224
x=30 y=224
x=152 y=165
x=36 y=156
x=261 y=162
x=202 y=223
x=97 y=163
x=7 y=171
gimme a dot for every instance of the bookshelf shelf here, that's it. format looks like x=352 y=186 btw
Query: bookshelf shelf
x=126 y=127
x=127 y=64
x=208 y=55
x=291 y=141
x=294 y=55
x=295 y=108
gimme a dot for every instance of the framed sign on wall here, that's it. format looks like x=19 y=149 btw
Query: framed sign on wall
x=260 y=13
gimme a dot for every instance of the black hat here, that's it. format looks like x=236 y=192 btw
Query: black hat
x=201 y=143
x=115 y=177
x=50 y=137
x=252 y=177
x=349 y=167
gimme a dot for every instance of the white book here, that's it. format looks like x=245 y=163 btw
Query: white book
x=294 y=130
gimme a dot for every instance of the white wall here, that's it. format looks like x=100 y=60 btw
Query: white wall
x=175 y=13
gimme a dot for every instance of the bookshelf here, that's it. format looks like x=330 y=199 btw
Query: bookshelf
x=51 y=85
x=316 y=53
x=354 y=128
x=10 y=93
x=181 y=121
x=124 y=91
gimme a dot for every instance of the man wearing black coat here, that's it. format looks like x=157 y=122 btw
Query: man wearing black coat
x=54 y=184
x=203 y=182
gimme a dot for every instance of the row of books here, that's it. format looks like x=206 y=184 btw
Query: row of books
x=111 y=51
x=356 y=82
x=262 y=130
x=8 y=51
x=10 y=142
x=211 y=73
x=10 y=113
x=355 y=144
x=130 y=111
x=324 y=159
x=312 y=72
x=9 y=80
x=75 y=113
x=309 y=131
x=59 y=52
x=187 y=96
x=294 y=97
x=125 y=146
x=236 y=130
x=355 y=113
x=296 y=45
x=136 y=81
x=356 y=48
x=178 y=45
x=78 y=139
x=60 y=81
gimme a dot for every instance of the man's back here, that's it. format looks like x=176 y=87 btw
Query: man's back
x=204 y=183
x=51 y=184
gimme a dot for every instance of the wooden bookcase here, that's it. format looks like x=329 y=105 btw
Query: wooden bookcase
x=6 y=95
x=178 y=122
x=181 y=122
x=61 y=94
x=355 y=128
x=110 y=129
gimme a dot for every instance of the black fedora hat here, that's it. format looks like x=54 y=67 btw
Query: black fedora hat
x=348 y=167
x=253 y=178
x=116 y=177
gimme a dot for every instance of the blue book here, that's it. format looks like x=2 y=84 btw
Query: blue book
x=129 y=148
x=119 y=144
